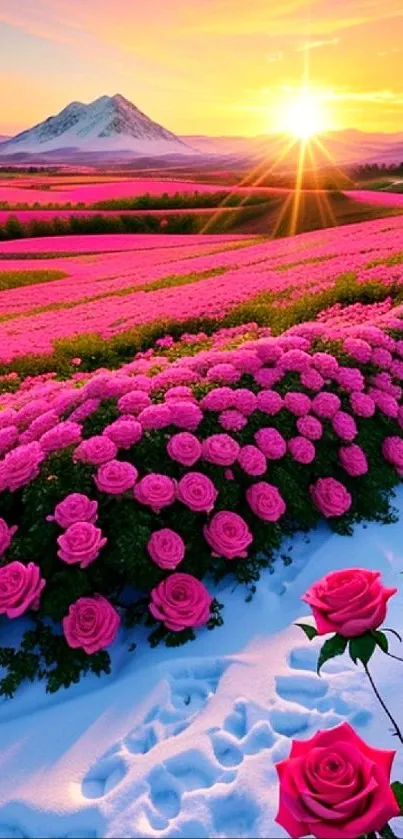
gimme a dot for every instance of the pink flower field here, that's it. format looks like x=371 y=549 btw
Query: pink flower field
x=27 y=191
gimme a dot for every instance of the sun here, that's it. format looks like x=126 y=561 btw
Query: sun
x=303 y=115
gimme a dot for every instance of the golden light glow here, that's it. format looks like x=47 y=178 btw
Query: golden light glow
x=303 y=115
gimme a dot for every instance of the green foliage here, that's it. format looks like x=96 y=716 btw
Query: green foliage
x=362 y=648
x=334 y=646
x=17 y=279
x=310 y=631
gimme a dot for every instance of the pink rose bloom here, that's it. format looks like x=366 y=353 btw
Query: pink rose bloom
x=179 y=392
x=245 y=401
x=335 y=786
x=91 y=624
x=155 y=417
x=96 y=450
x=220 y=449
x=312 y=380
x=116 y=477
x=326 y=404
x=301 y=450
x=381 y=358
x=80 y=544
x=385 y=403
x=353 y=460
x=185 y=414
x=265 y=501
x=396 y=369
x=362 y=405
x=155 y=491
x=252 y=461
x=228 y=535
x=349 y=602
x=269 y=402
x=326 y=364
x=42 y=424
x=62 y=435
x=266 y=377
x=350 y=379
x=232 y=420
x=269 y=350
x=8 y=438
x=85 y=410
x=297 y=403
x=134 y=402
x=124 y=432
x=181 y=601
x=21 y=465
x=223 y=373
x=383 y=381
x=166 y=548
x=197 y=491
x=310 y=427
x=392 y=450
x=75 y=507
x=20 y=588
x=7 y=417
x=330 y=497
x=271 y=443
x=344 y=426
x=31 y=411
x=184 y=448
x=358 y=349
x=400 y=417
x=218 y=399
x=6 y=535
x=295 y=360
x=246 y=361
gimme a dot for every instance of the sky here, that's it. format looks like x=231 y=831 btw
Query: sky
x=217 y=67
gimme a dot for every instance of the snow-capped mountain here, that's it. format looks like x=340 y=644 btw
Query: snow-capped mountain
x=109 y=124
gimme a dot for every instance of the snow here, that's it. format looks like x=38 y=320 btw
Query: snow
x=181 y=743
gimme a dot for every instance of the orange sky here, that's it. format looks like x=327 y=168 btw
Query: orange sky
x=203 y=66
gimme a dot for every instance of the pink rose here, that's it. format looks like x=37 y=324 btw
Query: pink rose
x=91 y=624
x=325 y=404
x=350 y=379
x=392 y=450
x=269 y=402
x=330 y=497
x=218 y=399
x=268 y=377
x=301 y=450
x=349 y=602
x=80 y=544
x=181 y=601
x=184 y=448
x=228 y=535
x=84 y=410
x=75 y=507
x=134 y=402
x=245 y=401
x=166 y=548
x=252 y=461
x=358 y=349
x=155 y=417
x=220 y=449
x=362 y=405
x=6 y=535
x=310 y=427
x=335 y=786
x=353 y=460
x=312 y=380
x=8 y=438
x=96 y=450
x=60 y=436
x=155 y=491
x=125 y=432
x=232 y=420
x=326 y=364
x=297 y=403
x=344 y=426
x=295 y=360
x=197 y=491
x=265 y=501
x=223 y=373
x=116 y=477
x=21 y=465
x=185 y=414
x=20 y=588
x=271 y=443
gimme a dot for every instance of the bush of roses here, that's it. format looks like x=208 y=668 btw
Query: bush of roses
x=157 y=478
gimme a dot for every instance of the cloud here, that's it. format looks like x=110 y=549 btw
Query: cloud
x=315 y=45
x=379 y=97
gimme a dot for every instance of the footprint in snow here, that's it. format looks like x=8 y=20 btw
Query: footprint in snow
x=245 y=731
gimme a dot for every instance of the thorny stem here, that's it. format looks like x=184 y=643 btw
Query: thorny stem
x=385 y=708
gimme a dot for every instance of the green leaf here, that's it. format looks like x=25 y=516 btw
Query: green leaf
x=333 y=647
x=362 y=648
x=310 y=631
x=381 y=640
x=397 y=789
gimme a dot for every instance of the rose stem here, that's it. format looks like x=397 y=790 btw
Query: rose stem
x=397 y=657
x=387 y=712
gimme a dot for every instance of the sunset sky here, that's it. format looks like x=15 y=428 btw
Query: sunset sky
x=203 y=66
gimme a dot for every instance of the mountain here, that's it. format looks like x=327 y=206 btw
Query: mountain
x=3 y=138
x=110 y=124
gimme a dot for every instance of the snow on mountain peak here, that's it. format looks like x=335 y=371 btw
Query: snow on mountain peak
x=109 y=123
